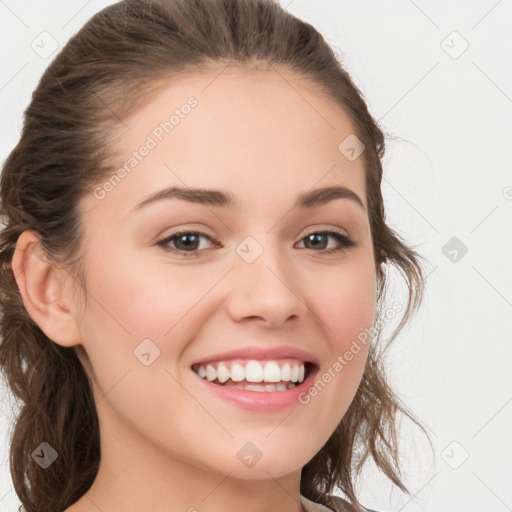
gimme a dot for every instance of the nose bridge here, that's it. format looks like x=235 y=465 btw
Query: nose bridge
x=262 y=283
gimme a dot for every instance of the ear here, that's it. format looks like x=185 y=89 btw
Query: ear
x=42 y=286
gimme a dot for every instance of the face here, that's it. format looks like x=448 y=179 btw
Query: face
x=245 y=288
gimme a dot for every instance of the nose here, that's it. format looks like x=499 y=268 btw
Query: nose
x=264 y=290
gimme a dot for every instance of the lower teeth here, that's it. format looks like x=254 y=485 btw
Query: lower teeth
x=280 y=386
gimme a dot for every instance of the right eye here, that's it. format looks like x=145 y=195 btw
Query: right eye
x=184 y=243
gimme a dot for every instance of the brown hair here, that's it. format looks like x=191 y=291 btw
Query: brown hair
x=103 y=74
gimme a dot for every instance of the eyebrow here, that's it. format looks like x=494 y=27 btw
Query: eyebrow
x=222 y=198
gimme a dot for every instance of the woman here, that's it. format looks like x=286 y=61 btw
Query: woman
x=193 y=269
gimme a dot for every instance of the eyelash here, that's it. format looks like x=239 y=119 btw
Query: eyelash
x=345 y=241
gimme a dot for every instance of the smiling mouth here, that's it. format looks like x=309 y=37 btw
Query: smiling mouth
x=255 y=375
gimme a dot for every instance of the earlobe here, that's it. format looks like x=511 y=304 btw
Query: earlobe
x=41 y=287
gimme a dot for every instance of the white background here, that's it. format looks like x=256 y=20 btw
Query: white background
x=448 y=175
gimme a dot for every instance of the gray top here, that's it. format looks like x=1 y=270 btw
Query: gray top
x=337 y=504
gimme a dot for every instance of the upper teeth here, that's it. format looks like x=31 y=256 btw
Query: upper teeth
x=253 y=371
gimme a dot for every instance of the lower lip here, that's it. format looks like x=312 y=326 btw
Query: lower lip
x=259 y=400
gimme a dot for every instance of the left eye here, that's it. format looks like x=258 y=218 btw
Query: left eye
x=342 y=240
x=187 y=243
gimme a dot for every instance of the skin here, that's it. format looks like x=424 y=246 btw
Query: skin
x=166 y=444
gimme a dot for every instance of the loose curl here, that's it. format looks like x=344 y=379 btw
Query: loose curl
x=107 y=71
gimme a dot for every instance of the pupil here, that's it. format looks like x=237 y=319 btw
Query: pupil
x=314 y=237
x=184 y=237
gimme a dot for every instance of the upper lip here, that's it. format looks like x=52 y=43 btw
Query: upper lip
x=260 y=353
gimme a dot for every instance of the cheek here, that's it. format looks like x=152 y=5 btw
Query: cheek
x=131 y=300
x=145 y=295
x=345 y=302
x=345 y=307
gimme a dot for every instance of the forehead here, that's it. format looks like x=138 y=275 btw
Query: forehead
x=253 y=131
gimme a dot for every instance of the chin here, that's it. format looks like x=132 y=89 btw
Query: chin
x=270 y=461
